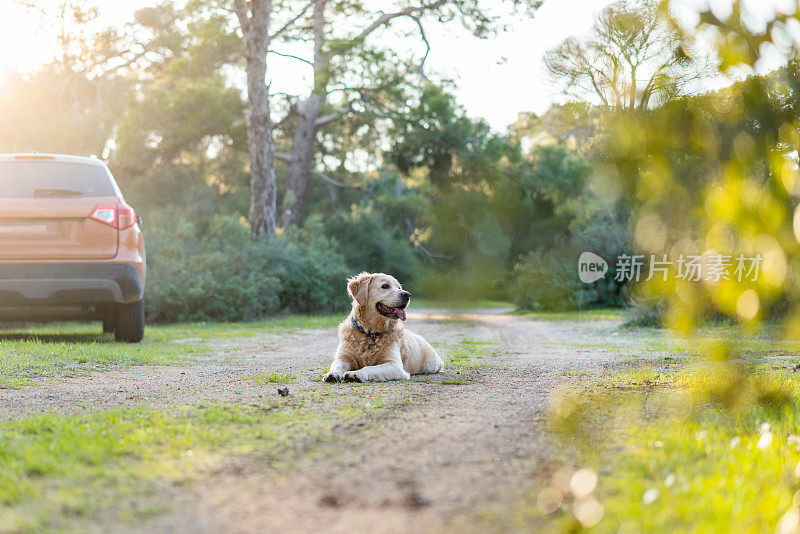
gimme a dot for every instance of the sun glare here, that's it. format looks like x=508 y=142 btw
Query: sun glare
x=24 y=42
x=28 y=39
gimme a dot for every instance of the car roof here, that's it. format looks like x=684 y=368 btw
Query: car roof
x=62 y=158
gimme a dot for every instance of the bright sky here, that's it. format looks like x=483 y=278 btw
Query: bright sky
x=496 y=78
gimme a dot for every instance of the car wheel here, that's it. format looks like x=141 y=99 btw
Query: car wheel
x=130 y=322
x=108 y=324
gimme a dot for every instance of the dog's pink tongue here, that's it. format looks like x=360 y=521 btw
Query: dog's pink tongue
x=401 y=313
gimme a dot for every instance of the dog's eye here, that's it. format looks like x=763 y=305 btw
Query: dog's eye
x=385 y=286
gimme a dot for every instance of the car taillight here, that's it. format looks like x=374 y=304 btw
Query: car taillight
x=126 y=217
x=121 y=216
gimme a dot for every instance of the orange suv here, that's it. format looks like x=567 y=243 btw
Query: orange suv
x=70 y=247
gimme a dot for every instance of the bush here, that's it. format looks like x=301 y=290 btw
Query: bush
x=225 y=275
x=478 y=279
x=548 y=280
x=607 y=238
x=647 y=312
x=368 y=242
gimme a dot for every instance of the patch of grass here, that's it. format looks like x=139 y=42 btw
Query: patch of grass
x=212 y=330
x=714 y=470
x=642 y=377
x=32 y=352
x=465 y=353
x=706 y=448
x=25 y=358
x=57 y=471
x=453 y=382
x=704 y=474
x=317 y=375
x=273 y=378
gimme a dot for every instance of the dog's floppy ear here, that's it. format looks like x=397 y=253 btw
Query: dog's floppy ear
x=358 y=287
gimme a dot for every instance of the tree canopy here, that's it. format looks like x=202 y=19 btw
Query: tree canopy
x=635 y=56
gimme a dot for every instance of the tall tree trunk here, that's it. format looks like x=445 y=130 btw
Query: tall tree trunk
x=263 y=189
x=304 y=140
x=303 y=148
x=309 y=110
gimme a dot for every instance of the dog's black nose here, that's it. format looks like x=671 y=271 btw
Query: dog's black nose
x=406 y=296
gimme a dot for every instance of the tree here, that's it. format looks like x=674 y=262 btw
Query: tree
x=490 y=203
x=254 y=18
x=574 y=123
x=636 y=56
x=309 y=109
x=183 y=139
x=336 y=52
x=58 y=111
x=80 y=94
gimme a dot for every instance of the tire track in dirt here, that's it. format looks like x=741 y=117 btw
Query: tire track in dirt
x=453 y=452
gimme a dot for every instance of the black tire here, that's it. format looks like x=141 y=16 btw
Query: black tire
x=130 y=322
x=108 y=324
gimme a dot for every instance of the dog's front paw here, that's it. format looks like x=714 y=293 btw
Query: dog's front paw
x=330 y=376
x=352 y=376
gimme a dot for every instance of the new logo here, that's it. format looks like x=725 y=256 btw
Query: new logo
x=591 y=267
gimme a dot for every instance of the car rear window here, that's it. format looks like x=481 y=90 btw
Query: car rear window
x=49 y=179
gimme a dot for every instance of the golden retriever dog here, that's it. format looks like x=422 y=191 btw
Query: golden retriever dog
x=373 y=345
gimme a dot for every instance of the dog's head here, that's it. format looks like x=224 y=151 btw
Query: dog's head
x=379 y=293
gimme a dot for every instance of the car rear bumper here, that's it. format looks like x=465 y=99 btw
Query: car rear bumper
x=40 y=283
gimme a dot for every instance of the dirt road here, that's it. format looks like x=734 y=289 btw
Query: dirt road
x=468 y=441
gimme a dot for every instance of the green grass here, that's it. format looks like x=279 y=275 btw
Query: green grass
x=465 y=353
x=453 y=382
x=707 y=448
x=713 y=470
x=32 y=353
x=273 y=378
x=59 y=470
x=25 y=359
x=212 y=330
x=706 y=474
